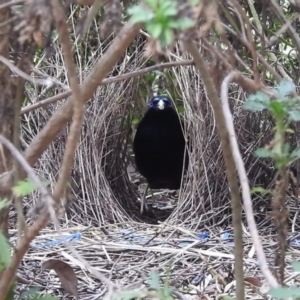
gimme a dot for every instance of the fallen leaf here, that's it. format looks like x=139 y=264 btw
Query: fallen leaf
x=65 y=273
x=253 y=281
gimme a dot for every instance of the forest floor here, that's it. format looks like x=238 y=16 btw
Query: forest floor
x=196 y=265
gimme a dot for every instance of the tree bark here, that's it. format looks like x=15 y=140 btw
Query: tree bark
x=7 y=110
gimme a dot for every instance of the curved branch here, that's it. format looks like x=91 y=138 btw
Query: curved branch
x=244 y=180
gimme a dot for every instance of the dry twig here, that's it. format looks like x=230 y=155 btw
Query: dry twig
x=244 y=180
x=229 y=162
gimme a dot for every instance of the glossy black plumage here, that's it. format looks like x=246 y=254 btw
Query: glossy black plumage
x=159 y=145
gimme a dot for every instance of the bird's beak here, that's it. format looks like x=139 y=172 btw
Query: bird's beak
x=161 y=104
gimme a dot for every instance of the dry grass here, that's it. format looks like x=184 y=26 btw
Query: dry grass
x=103 y=190
x=105 y=187
x=129 y=251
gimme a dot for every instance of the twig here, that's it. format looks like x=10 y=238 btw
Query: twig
x=58 y=120
x=22 y=161
x=13 y=2
x=252 y=49
x=229 y=162
x=75 y=128
x=108 y=81
x=52 y=129
x=48 y=82
x=89 y=19
x=78 y=103
x=294 y=35
x=23 y=243
x=244 y=180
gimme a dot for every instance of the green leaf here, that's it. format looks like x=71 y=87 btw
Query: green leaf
x=257 y=102
x=194 y=2
x=5 y=258
x=289 y=130
x=154 y=280
x=180 y=109
x=155 y=29
x=295 y=153
x=135 y=121
x=286 y=149
x=167 y=292
x=168 y=8
x=281 y=162
x=284 y=292
x=296 y=266
x=261 y=190
x=4 y=203
x=277 y=109
x=140 y=14
x=263 y=153
x=184 y=23
x=24 y=187
x=294 y=115
x=167 y=38
x=285 y=87
x=31 y=293
x=152 y=4
x=150 y=77
x=128 y=295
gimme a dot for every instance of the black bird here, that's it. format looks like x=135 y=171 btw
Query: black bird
x=159 y=146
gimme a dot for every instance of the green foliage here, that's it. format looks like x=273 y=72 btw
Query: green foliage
x=284 y=110
x=25 y=187
x=5 y=258
x=135 y=121
x=257 y=102
x=163 y=293
x=22 y=188
x=296 y=266
x=160 y=19
x=4 y=203
x=33 y=294
x=261 y=190
x=285 y=293
x=159 y=292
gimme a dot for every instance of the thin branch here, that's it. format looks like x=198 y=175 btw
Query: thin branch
x=251 y=43
x=60 y=118
x=78 y=102
x=93 y=11
x=52 y=129
x=294 y=35
x=11 y=3
x=233 y=76
x=229 y=162
x=75 y=128
x=108 y=81
x=48 y=82
x=22 y=161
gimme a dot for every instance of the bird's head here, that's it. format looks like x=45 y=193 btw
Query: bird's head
x=160 y=102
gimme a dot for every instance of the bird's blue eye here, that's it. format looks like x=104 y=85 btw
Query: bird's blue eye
x=151 y=104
